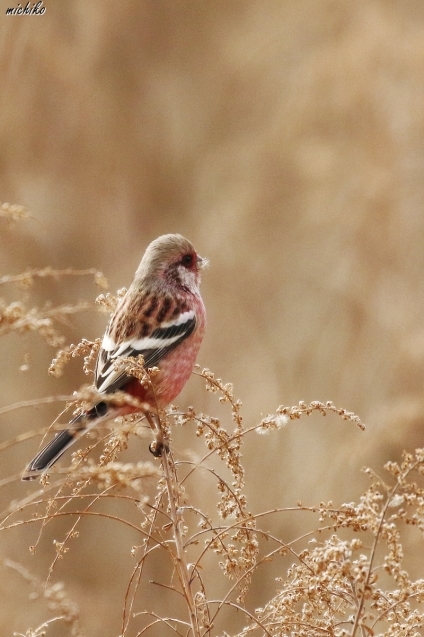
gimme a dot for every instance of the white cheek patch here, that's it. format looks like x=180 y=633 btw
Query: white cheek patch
x=187 y=278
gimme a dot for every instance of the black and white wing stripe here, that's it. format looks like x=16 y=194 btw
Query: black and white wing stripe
x=152 y=347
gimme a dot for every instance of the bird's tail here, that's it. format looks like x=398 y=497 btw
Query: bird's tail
x=60 y=443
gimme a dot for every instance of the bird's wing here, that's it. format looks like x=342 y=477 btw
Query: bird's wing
x=153 y=347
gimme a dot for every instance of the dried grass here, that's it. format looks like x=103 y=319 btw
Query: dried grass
x=344 y=575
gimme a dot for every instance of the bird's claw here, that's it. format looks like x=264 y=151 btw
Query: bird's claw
x=157 y=447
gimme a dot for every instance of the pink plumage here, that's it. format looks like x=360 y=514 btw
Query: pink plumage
x=161 y=317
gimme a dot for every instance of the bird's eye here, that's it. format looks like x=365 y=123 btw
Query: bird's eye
x=187 y=260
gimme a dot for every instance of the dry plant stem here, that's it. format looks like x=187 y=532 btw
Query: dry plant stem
x=177 y=523
x=39 y=273
x=137 y=573
x=372 y=555
x=58 y=313
x=34 y=403
x=161 y=620
x=96 y=514
x=156 y=428
x=371 y=560
x=239 y=608
x=61 y=546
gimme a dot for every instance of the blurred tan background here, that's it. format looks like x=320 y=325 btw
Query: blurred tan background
x=286 y=140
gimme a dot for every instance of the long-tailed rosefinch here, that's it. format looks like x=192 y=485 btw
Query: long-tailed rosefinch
x=161 y=317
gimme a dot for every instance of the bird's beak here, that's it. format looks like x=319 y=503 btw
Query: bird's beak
x=201 y=262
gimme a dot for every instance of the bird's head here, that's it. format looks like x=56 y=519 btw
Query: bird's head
x=173 y=260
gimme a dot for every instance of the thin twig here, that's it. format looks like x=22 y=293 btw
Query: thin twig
x=177 y=524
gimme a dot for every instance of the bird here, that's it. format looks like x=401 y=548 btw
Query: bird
x=161 y=317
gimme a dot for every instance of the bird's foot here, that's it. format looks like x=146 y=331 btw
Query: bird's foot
x=157 y=447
